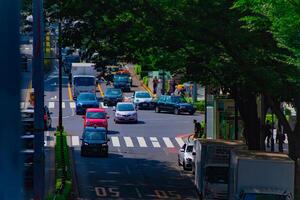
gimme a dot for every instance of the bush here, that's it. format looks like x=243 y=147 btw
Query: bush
x=145 y=80
x=137 y=69
x=200 y=105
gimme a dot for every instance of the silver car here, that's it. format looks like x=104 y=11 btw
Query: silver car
x=125 y=112
x=186 y=156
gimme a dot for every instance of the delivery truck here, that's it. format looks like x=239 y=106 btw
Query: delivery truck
x=261 y=175
x=83 y=78
x=212 y=167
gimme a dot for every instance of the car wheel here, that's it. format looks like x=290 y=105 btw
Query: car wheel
x=157 y=110
x=179 y=164
x=176 y=111
x=183 y=165
x=116 y=122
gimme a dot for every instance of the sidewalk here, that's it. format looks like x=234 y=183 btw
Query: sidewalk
x=136 y=83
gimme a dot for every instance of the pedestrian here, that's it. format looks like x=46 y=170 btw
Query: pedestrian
x=280 y=137
x=268 y=132
x=197 y=129
x=154 y=83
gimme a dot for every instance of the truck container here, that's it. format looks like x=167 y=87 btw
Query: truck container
x=261 y=175
x=212 y=166
x=83 y=78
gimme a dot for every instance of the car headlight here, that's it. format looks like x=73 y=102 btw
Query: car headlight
x=104 y=145
x=85 y=143
x=118 y=115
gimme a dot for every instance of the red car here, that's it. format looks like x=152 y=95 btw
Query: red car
x=95 y=117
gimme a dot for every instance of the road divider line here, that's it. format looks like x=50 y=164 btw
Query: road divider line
x=70 y=92
x=148 y=90
x=115 y=141
x=180 y=141
x=100 y=90
x=128 y=141
x=51 y=104
x=75 y=141
x=168 y=142
x=154 y=142
x=142 y=141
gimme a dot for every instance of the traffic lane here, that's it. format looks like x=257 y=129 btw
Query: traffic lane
x=132 y=176
x=104 y=87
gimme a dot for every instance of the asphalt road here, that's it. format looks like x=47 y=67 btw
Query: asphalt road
x=142 y=162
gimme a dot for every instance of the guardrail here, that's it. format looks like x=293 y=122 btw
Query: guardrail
x=63 y=173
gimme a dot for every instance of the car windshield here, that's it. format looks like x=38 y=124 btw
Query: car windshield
x=189 y=148
x=143 y=95
x=178 y=100
x=84 y=81
x=121 y=78
x=125 y=107
x=116 y=92
x=86 y=97
x=95 y=135
x=114 y=69
x=96 y=115
x=251 y=196
x=215 y=174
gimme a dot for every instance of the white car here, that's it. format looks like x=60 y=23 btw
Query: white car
x=125 y=112
x=186 y=156
x=143 y=100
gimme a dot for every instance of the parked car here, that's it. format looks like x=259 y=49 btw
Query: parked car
x=143 y=100
x=84 y=101
x=95 y=117
x=112 y=96
x=122 y=82
x=125 y=112
x=94 y=141
x=185 y=156
x=174 y=104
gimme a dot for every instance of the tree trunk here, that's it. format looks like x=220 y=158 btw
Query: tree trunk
x=248 y=109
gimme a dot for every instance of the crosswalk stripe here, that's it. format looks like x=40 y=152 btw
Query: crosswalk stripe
x=155 y=142
x=142 y=141
x=128 y=141
x=63 y=104
x=75 y=140
x=180 y=141
x=72 y=105
x=168 y=142
x=115 y=141
x=51 y=104
x=22 y=105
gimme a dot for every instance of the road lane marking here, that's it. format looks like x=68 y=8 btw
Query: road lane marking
x=155 y=142
x=75 y=141
x=63 y=104
x=51 y=104
x=180 y=141
x=72 y=105
x=168 y=142
x=115 y=141
x=70 y=92
x=128 y=141
x=141 y=141
x=100 y=90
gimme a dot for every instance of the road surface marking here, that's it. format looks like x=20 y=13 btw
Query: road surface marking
x=51 y=104
x=75 y=141
x=180 y=141
x=142 y=141
x=70 y=92
x=63 y=104
x=115 y=141
x=168 y=142
x=22 y=105
x=155 y=142
x=72 y=105
x=128 y=142
x=100 y=90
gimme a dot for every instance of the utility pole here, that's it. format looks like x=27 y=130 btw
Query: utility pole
x=38 y=85
x=194 y=92
x=10 y=129
x=60 y=126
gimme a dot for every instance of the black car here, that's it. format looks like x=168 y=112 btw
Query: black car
x=175 y=104
x=94 y=141
x=122 y=82
x=112 y=96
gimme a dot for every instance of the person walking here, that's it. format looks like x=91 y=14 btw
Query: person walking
x=280 y=137
x=155 y=83
x=268 y=132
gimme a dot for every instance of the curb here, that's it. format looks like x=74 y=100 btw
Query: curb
x=75 y=188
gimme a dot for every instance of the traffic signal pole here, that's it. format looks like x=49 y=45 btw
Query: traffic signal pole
x=10 y=129
x=38 y=86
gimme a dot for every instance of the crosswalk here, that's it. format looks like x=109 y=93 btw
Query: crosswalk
x=51 y=104
x=128 y=142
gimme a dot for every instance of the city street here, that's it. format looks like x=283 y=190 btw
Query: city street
x=142 y=161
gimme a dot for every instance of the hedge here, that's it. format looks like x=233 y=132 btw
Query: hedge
x=137 y=69
x=145 y=80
